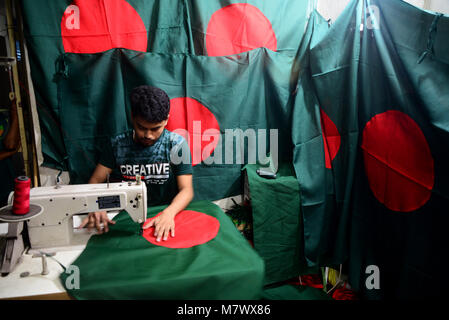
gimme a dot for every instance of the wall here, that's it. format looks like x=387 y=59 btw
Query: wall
x=331 y=9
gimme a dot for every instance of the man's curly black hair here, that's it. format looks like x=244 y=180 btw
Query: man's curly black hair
x=150 y=104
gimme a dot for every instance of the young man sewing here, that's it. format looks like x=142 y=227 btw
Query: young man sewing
x=147 y=151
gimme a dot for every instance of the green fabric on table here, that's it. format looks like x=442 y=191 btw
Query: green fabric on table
x=277 y=223
x=121 y=264
x=290 y=292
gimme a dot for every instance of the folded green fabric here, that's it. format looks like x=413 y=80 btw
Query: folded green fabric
x=277 y=223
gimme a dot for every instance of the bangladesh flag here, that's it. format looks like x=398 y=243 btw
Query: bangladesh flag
x=208 y=259
x=324 y=133
x=172 y=28
x=229 y=122
x=401 y=192
x=371 y=156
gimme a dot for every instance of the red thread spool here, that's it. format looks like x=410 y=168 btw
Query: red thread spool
x=21 y=204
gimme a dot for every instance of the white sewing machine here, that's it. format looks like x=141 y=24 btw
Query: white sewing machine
x=50 y=221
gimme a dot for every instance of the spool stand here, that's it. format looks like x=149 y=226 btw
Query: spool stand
x=14 y=247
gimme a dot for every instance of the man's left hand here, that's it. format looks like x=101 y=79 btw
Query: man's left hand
x=164 y=224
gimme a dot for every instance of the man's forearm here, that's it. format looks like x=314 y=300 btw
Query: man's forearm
x=6 y=154
x=180 y=202
x=95 y=179
x=100 y=174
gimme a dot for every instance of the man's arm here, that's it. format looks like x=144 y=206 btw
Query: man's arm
x=165 y=223
x=100 y=174
x=184 y=196
x=12 y=138
x=96 y=218
x=6 y=154
x=11 y=142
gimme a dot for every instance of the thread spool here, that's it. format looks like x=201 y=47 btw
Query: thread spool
x=21 y=204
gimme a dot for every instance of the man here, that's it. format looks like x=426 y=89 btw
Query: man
x=9 y=145
x=148 y=151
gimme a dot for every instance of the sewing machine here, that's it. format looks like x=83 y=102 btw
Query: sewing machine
x=50 y=221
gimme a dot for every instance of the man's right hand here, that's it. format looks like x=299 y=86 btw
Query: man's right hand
x=95 y=219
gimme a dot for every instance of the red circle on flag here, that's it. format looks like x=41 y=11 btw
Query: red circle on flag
x=238 y=28
x=197 y=124
x=331 y=139
x=192 y=228
x=398 y=161
x=90 y=26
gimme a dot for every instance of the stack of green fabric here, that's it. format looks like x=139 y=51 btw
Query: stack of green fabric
x=277 y=223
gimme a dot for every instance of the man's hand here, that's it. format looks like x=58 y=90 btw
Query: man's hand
x=95 y=219
x=163 y=225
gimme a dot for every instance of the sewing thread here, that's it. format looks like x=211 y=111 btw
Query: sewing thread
x=21 y=204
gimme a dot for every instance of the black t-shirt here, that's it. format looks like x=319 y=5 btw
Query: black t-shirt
x=158 y=164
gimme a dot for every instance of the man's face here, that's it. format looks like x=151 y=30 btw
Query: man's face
x=147 y=133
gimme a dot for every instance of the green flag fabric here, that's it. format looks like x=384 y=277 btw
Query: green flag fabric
x=333 y=77
x=400 y=193
x=203 y=87
x=370 y=153
x=217 y=27
x=277 y=223
x=326 y=99
x=81 y=26
x=168 y=27
x=375 y=198
x=122 y=264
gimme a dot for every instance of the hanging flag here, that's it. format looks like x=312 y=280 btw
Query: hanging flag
x=228 y=122
x=166 y=27
x=399 y=241
x=325 y=133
